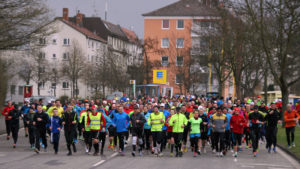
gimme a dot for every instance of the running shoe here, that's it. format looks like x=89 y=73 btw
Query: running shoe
x=37 y=151
x=293 y=145
x=255 y=154
x=109 y=147
x=195 y=154
x=274 y=150
x=269 y=150
x=235 y=155
x=171 y=154
x=14 y=146
x=133 y=154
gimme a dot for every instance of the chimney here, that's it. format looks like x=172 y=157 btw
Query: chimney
x=221 y=5
x=65 y=14
x=79 y=17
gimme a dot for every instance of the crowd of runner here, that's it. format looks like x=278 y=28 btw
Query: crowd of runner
x=156 y=125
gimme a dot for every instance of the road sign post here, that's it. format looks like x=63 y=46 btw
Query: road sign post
x=132 y=82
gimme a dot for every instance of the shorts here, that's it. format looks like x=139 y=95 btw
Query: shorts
x=95 y=134
x=204 y=136
x=169 y=135
x=112 y=131
x=195 y=135
x=236 y=139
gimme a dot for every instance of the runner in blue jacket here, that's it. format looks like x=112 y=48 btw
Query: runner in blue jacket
x=55 y=126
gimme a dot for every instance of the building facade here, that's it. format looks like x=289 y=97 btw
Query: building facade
x=177 y=29
x=89 y=35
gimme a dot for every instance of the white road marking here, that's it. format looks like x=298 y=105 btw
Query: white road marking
x=2 y=155
x=111 y=156
x=247 y=166
x=100 y=162
x=268 y=165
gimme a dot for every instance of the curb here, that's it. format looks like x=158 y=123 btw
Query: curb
x=294 y=156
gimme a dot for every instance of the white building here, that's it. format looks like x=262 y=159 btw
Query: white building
x=94 y=40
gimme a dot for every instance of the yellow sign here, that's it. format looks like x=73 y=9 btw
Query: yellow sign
x=159 y=76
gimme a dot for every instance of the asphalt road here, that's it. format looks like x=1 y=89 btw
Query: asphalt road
x=23 y=157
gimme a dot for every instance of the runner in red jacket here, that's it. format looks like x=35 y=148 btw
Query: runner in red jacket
x=237 y=124
x=5 y=113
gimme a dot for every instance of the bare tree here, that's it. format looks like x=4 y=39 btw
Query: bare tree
x=150 y=48
x=278 y=25
x=22 y=21
x=73 y=67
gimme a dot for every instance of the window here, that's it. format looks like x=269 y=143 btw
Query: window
x=204 y=24
x=207 y=24
x=164 y=60
x=42 y=55
x=42 y=41
x=179 y=61
x=66 y=56
x=12 y=89
x=179 y=78
x=165 y=24
x=65 y=85
x=53 y=85
x=42 y=70
x=42 y=84
x=21 y=90
x=180 y=43
x=66 y=41
x=204 y=43
x=54 y=56
x=180 y=24
x=165 y=43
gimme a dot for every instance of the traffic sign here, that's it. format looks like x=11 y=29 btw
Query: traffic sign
x=132 y=82
x=159 y=76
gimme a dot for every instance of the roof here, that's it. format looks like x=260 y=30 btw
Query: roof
x=84 y=31
x=185 y=8
x=132 y=37
x=115 y=29
x=102 y=28
x=94 y=24
x=148 y=85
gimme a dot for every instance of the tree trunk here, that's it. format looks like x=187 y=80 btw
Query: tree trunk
x=38 y=89
x=285 y=99
x=103 y=89
x=3 y=82
x=220 y=89
x=266 y=86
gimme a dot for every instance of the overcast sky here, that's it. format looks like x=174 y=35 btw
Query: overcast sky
x=127 y=13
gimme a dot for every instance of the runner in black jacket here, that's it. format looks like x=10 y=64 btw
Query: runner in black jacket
x=14 y=115
x=40 y=121
x=271 y=119
x=137 y=121
x=70 y=121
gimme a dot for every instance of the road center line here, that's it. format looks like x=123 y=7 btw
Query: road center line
x=100 y=162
